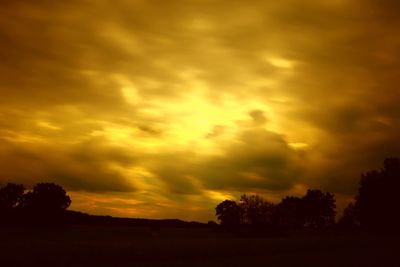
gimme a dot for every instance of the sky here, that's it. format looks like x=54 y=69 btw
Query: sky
x=163 y=109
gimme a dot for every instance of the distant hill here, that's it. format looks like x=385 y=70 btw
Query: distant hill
x=79 y=218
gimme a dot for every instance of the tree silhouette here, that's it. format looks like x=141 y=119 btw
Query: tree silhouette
x=350 y=219
x=377 y=202
x=47 y=198
x=289 y=213
x=229 y=213
x=318 y=209
x=256 y=211
x=11 y=196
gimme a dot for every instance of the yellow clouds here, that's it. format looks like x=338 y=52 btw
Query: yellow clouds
x=180 y=104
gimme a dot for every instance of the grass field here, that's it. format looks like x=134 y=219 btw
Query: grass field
x=118 y=246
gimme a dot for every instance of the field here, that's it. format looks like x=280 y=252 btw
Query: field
x=128 y=246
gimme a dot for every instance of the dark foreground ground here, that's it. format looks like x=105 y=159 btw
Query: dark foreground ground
x=117 y=246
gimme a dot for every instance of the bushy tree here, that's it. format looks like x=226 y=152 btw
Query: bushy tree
x=318 y=209
x=229 y=213
x=11 y=196
x=289 y=213
x=43 y=205
x=350 y=219
x=377 y=202
x=315 y=210
x=256 y=211
x=47 y=198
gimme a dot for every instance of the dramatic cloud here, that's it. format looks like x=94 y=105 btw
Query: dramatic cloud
x=164 y=108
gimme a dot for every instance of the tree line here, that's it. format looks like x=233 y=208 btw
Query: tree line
x=375 y=207
x=315 y=210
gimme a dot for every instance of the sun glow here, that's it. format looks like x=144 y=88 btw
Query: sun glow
x=194 y=121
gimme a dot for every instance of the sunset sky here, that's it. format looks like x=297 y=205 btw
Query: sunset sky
x=164 y=108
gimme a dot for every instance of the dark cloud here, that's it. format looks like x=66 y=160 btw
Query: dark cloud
x=216 y=131
x=176 y=172
x=258 y=117
x=77 y=167
x=259 y=160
